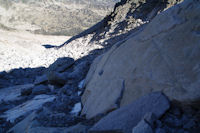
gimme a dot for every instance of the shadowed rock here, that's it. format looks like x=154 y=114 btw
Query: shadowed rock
x=127 y=117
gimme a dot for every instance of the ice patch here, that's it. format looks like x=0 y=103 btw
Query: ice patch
x=76 y=109
x=79 y=93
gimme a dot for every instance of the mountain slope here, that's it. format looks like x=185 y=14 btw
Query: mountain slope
x=55 y=17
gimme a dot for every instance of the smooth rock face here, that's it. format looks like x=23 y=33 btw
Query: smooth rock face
x=127 y=117
x=163 y=57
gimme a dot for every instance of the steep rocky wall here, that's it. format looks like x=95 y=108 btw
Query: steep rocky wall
x=163 y=57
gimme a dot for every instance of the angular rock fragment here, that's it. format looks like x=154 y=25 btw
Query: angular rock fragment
x=142 y=127
x=129 y=116
x=40 y=89
x=27 y=107
x=41 y=79
x=12 y=93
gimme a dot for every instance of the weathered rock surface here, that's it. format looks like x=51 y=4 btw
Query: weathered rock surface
x=163 y=57
x=127 y=117
x=31 y=105
x=12 y=93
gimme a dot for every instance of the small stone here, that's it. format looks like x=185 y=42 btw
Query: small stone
x=26 y=91
x=150 y=118
x=40 y=79
x=175 y=111
x=173 y=121
x=189 y=124
x=61 y=64
x=40 y=89
x=55 y=78
x=142 y=127
x=158 y=123
x=160 y=130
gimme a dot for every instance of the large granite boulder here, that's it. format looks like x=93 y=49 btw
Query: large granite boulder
x=163 y=57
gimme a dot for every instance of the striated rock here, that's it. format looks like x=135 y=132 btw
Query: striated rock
x=163 y=57
x=127 y=117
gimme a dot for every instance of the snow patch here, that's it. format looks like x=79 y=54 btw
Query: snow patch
x=76 y=109
x=79 y=93
x=81 y=84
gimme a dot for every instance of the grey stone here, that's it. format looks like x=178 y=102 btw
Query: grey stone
x=27 y=107
x=80 y=71
x=55 y=78
x=79 y=128
x=150 y=118
x=61 y=64
x=142 y=127
x=107 y=131
x=127 y=117
x=158 y=123
x=160 y=130
x=26 y=91
x=41 y=79
x=173 y=121
x=189 y=124
x=31 y=125
x=40 y=89
x=13 y=93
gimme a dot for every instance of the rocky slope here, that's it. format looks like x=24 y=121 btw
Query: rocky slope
x=52 y=17
x=166 y=45
x=147 y=82
x=160 y=58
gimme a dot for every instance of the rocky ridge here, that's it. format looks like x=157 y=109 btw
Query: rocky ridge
x=51 y=100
